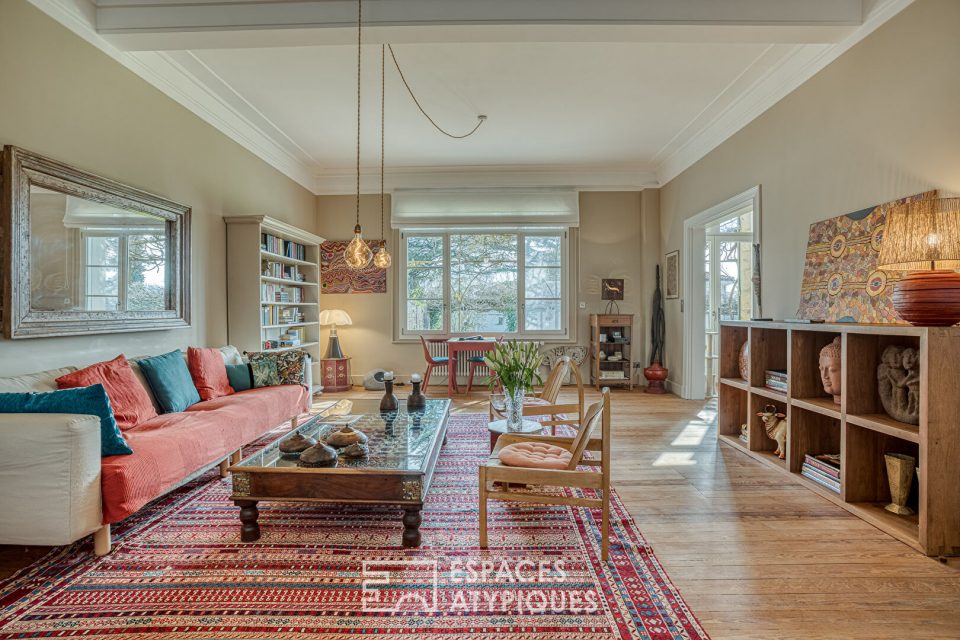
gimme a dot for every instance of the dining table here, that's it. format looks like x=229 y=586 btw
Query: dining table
x=454 y=347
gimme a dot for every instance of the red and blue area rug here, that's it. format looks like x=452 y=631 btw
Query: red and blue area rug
x=180 y=571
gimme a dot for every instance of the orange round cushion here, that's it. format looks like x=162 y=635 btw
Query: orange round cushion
x=535 y=455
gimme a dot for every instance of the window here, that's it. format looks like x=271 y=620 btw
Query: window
x=124 y=270
x=484 y=281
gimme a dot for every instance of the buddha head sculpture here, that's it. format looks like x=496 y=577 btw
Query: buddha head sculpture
x=830 y=369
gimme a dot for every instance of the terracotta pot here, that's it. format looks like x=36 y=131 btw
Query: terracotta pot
x=655 y=375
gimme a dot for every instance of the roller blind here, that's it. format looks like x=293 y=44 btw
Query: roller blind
x=425 y=208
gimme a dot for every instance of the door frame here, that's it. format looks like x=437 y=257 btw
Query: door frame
x=693 y=305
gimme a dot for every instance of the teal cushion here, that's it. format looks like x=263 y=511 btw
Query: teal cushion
x=239 y=377
x=91 y=401
x=169 y=379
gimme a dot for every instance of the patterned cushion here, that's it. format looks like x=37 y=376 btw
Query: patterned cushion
x=284 y=367
x=263 y=368
x=535 y=455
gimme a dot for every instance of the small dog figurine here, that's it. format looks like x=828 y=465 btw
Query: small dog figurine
x=775 y=424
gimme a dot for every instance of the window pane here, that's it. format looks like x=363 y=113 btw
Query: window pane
x=542 y=282
x=542 y=251
x=483 y=284
x=102 y=304
x=425 y=284
x=146 y=281
x=542 y=315
x=424 y=315
x=102 y=280
x=103 y=251
x=424 y=251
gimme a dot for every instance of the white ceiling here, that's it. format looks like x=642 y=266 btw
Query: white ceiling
x=619 y=105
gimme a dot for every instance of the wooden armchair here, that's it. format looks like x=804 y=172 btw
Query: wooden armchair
x=544 y=403
x=493 y=471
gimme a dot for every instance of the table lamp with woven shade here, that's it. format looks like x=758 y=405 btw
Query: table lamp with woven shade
x=334 y=317
x=923 y=237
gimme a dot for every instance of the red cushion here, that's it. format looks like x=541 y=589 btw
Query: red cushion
x=173 y=446
x=209 y=373
x=129 y=399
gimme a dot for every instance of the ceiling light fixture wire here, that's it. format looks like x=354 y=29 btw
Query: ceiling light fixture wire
x=480 y=118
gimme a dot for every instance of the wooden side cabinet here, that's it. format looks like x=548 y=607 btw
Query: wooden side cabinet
x=335 y=374
x=611 y=350
x=857 y=427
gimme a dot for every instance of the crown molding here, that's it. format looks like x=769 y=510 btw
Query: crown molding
x=783 y=77
x=580 y=177
x=168 y=75
x=183 y=78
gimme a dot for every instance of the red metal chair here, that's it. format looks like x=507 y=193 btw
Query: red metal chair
x=432 y=361
x=475 y=362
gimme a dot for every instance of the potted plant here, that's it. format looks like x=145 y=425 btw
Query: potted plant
x=516 y=367
x=656 y=373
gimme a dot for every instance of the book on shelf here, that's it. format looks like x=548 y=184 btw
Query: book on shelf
x=279 y=246
x=282 y=271
x=820 y=478
x=824 y=464
x=775 y=379
x=271 y=315
x=280 y=293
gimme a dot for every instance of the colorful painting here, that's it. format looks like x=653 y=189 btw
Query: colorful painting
x=337 y=277
x=841 y=282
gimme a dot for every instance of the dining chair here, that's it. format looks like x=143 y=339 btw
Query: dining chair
x=536 y=479
x=544 y=406
x=477 y=362
x=432 y=361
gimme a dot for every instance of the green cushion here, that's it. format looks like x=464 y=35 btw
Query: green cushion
x=239 y=377
x=169 y=379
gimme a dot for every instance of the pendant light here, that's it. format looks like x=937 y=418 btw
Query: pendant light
x=358 y=255
x=382 y=259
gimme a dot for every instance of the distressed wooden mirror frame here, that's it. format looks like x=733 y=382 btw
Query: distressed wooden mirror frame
x=19 y=170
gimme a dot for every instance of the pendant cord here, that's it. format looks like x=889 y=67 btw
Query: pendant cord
x=480 y=118
x=383 y=108
x=359 y=47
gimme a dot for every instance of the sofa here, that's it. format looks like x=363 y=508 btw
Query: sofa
x=55 y=488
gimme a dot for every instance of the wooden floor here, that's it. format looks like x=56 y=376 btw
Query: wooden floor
x=753 y=554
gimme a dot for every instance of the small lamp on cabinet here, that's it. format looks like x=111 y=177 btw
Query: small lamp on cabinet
x=922 y=238
x=334 y=317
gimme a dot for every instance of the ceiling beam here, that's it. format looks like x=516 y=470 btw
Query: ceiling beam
x=193 y=24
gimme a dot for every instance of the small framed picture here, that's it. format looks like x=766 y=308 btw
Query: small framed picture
x=671 y=276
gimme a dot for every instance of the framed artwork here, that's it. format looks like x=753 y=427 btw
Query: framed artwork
x=841 y=282
x=337 y=277
x=671 y=276
x=611 y=289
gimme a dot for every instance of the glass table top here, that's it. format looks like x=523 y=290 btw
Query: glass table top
x=398 y=441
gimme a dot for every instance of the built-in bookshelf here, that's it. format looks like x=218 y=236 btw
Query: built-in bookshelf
x=858 y=428
x=273 y=287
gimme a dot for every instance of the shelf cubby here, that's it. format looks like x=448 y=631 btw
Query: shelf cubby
x=858 y=427
x=811 y=433
x=759 y=441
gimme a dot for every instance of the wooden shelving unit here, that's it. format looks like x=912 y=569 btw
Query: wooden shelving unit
x=857 y=428
x=247 y=262
x=609 y=325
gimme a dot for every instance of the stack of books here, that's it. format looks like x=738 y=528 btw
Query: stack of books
x=824 y=469
x=776 y=379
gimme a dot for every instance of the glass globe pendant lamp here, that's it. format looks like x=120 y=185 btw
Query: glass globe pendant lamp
x=357 y=255
x=382 y=258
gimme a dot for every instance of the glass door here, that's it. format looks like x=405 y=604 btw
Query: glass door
x=728 y=268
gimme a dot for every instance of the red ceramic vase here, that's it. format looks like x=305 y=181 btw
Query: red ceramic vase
x=655 y=375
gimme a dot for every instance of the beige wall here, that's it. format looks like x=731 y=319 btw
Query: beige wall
x=881 y=122
x=63 y=98
x=614 y=242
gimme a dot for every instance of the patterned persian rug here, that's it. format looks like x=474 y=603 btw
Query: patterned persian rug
x=180 y=571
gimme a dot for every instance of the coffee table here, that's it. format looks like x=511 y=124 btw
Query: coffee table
x=404 y=448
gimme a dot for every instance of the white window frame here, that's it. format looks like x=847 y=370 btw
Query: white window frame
x=123 y=267
x=563 y=233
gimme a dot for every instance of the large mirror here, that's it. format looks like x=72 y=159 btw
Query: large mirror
x=87 y=255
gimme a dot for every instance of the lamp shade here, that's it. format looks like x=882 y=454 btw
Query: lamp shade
x=335 y=316
x=921 y=235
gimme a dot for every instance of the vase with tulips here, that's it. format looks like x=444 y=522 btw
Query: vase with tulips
x=516 y=368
